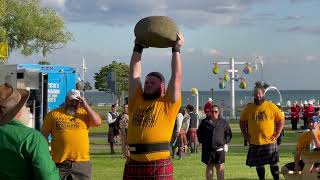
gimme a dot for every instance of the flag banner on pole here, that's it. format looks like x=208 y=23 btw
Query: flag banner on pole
x=4 y=50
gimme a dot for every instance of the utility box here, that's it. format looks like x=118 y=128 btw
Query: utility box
x=48 y=85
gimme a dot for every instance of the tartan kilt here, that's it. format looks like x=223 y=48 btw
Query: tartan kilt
x=192 y=135
x=182 y=139
x=111 y=134
x=259 y=155
x=153 y=170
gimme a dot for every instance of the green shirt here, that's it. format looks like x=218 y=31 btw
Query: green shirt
x=24 y=154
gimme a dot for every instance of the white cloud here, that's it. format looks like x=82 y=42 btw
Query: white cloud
x=268 y=18
x=205 y=52
x=158 y=52
x=105 y=8
x=311 y=58
x=56 y=4
x=164 y=52
x=189 y=13
x=191 y=50
x=214 y=52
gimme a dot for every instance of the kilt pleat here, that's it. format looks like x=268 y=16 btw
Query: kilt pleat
x=259 y=155
x=154 y=170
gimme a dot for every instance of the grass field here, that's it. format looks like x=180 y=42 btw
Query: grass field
x=106 y=166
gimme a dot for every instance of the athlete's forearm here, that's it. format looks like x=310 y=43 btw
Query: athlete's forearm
x=279 y=127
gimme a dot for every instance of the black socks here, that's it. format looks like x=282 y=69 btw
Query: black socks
x=275 y=172
x=261 y=172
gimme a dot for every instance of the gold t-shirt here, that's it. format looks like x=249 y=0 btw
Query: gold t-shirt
x=261 y=121
x=70 y=139
x=305 y=140
x=151 y=121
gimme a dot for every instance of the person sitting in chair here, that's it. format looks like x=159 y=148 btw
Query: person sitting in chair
x=304 y=144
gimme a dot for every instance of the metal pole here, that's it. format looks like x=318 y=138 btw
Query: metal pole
x=82 y=79
x=197 y=103
x=232 y=63
x=261 y=73
x=232 y=94
x=84 y=68
x=261 y=65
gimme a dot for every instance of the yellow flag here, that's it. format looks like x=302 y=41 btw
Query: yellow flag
x=3 y=50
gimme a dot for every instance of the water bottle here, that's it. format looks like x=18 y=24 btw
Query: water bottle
x=312 y=146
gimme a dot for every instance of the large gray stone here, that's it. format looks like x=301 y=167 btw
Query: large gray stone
x=156 y=31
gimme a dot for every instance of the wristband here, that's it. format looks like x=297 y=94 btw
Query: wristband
x=138 y=48
x=176 y=48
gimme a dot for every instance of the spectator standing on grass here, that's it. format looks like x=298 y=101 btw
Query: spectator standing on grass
x=309 y=112
x=113 y=122
x=69 y=126
x=124 y=119
x=207 y=107
x=214 y=134
x=181 y=127
x=192 y=130
x=261 y=123
x=295 y=117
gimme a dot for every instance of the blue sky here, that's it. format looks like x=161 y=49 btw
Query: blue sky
x=285 y=33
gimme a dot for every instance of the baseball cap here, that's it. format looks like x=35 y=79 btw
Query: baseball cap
x=310 y=102
x=315 y=119
x=209 y=99
x=73 y=94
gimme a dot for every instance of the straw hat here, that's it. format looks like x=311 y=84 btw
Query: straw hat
x=11 y=102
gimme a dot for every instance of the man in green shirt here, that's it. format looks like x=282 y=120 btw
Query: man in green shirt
x=24 y=152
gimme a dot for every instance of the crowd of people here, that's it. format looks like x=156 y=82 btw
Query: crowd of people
x=307 y=110
x=152 y=127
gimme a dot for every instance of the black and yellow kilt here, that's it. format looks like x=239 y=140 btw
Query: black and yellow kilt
x=259 y=155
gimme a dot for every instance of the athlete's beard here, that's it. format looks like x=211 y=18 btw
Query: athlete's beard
x=259 y=101
x=71 y=110
x=152 y=96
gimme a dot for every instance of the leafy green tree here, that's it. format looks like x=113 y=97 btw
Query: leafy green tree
x=27 y=27
x=44 y=63
x=121 y=71
x=87 y=86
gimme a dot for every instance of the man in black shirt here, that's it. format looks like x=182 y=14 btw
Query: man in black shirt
x=214 y=134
